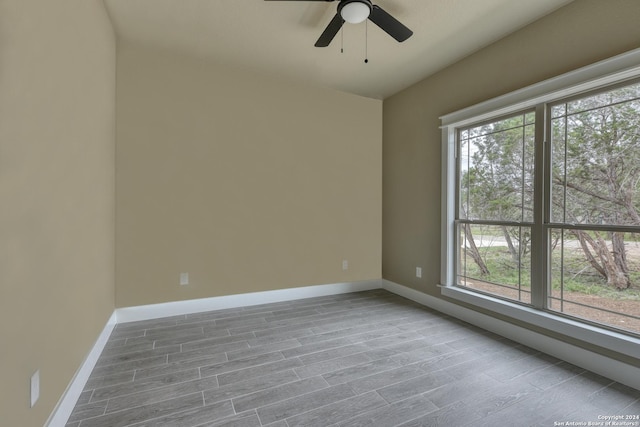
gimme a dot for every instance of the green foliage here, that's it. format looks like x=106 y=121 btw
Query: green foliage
x=577 y=278
x=595 y=179
x=503 y=270
x=497 y=169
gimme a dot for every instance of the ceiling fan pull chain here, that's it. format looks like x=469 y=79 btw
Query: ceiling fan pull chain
x=342 y=40
x=366 y=41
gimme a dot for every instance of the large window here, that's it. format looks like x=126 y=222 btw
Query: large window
x=594 y=221
x=495 y=206
x=546 y=213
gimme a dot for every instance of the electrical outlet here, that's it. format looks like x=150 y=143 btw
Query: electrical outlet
x=184 y=279
x=419 y=272
x=345 y=264
x=35 y=387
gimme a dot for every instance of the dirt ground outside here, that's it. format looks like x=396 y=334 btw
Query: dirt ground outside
x=595 y=312
x=595 y=308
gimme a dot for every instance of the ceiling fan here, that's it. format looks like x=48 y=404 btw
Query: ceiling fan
x=356 y=11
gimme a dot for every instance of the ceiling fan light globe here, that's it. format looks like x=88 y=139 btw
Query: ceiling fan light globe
x=355 y=12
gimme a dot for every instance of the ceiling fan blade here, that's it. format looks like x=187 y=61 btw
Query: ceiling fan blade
x=302 y=0
x=389 y=24
x=330 y=32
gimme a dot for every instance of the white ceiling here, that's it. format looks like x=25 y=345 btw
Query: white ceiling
x=277 y=37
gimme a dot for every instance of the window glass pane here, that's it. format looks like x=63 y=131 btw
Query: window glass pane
x=596 y=160
x=496 y=170
x=464 y=176
x=595 y=276
x=558 y=110
x=558 y=169
x=496 y=259
x=530 y=118
x=461 y=253
x=625 y=94
x=528 y=173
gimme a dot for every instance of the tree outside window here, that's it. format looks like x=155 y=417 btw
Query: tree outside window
x=593 y=221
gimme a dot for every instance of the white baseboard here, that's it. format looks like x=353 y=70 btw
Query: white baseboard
x=595 y=362
x=67 y=402
x=176 y=308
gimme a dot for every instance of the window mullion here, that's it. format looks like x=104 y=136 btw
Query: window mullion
x=540 y=236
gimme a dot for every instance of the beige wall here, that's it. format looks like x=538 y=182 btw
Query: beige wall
x=57 y=87
x=246 y=182
x=581 y=33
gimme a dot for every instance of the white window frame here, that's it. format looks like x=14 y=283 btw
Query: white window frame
x=601 y=74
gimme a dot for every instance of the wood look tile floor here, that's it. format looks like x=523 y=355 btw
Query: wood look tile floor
x=361 y=359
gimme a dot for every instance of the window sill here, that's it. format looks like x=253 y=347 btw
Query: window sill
x=617 y=342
